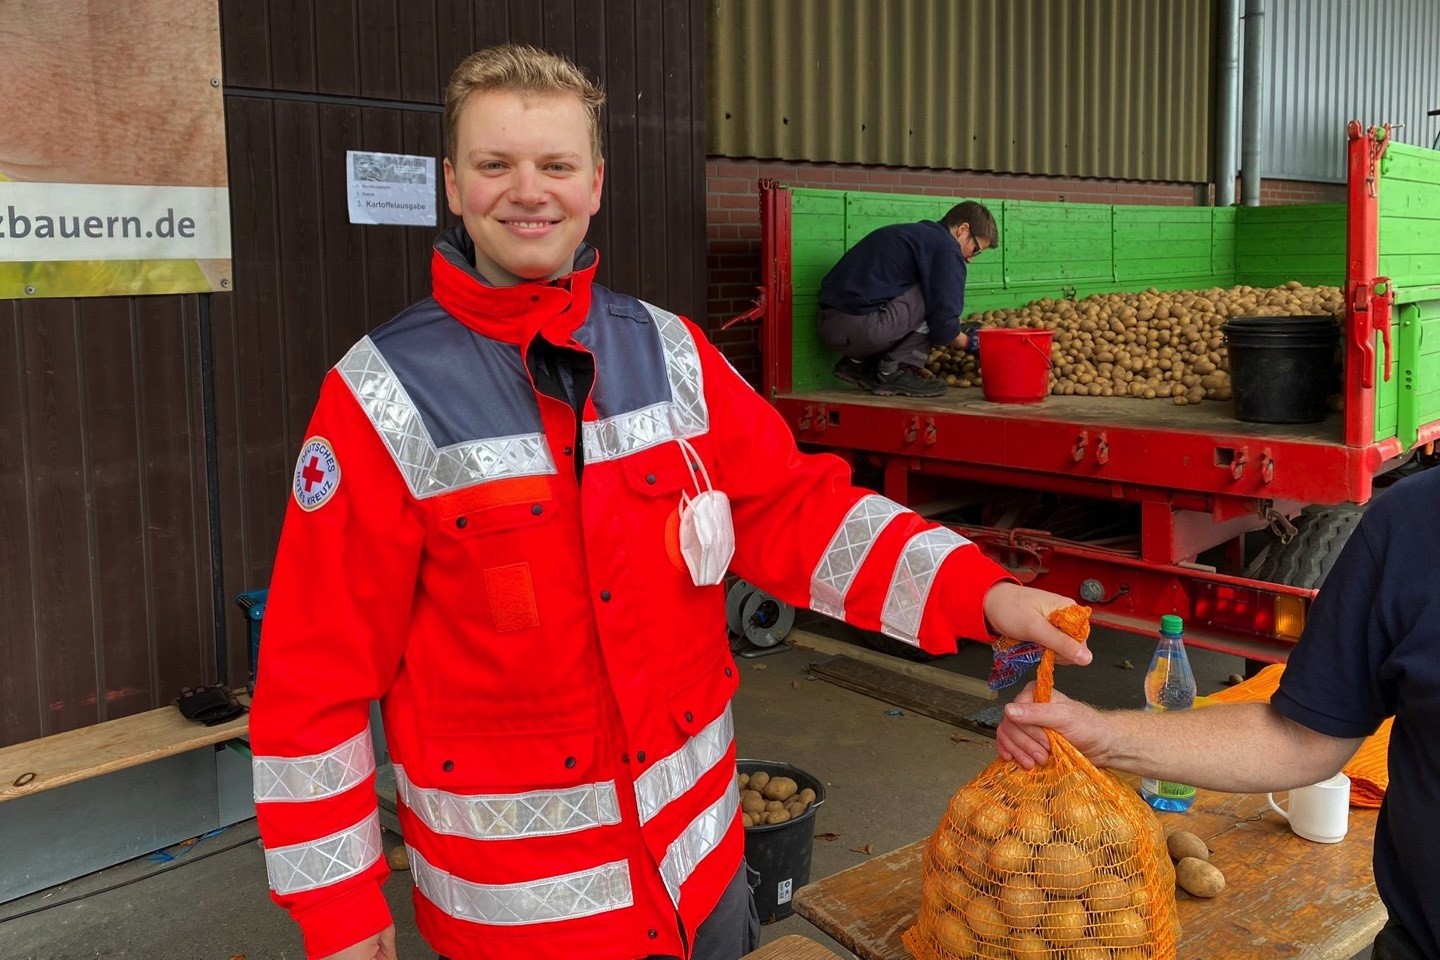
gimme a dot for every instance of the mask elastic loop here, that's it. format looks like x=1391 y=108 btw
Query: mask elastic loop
x=692 y=459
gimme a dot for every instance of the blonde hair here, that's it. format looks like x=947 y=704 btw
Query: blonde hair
x=517 y=68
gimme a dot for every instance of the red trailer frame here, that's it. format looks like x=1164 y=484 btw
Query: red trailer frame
x=1195 y=487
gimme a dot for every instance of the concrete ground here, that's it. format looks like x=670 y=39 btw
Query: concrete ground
x=888 y=780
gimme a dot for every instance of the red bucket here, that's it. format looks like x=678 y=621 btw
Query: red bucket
x=1015 y=364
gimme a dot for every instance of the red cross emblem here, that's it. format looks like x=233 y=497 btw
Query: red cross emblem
x=317 y=474
x=312 y=474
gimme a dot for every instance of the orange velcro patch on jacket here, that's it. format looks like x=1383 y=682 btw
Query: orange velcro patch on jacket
x=512 y=597
x=496 y=493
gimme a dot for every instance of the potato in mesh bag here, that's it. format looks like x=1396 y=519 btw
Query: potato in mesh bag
x=1063 y=862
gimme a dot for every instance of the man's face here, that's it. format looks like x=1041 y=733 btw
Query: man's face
x=970 y=248
x=525 y=182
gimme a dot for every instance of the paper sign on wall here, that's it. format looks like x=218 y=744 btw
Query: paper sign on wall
x=391 y=188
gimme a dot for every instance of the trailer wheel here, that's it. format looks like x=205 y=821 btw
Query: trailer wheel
x=1321 y=533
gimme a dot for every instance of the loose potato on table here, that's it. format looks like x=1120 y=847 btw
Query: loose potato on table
x=1199 y=878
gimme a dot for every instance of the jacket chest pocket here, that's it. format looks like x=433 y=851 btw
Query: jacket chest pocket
x=493 y=531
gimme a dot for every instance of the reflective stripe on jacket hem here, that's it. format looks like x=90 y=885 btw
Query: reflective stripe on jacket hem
x=503 y=816
x=698 y=839
x=581 y=894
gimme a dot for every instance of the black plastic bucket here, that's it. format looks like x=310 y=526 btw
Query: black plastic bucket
x=1282 y=369
x=780 y=852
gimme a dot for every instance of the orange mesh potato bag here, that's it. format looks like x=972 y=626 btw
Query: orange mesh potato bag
x=1063 y=862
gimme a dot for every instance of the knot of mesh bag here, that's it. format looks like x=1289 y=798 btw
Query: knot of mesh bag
x=1063 y=862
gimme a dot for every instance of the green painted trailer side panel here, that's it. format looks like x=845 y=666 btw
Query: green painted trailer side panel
x=1416 y=371
x=1304 y=242
x=1409 y=196
x=1064 y=250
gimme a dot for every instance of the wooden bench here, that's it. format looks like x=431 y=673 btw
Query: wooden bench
x=793 y=947
x=76 y=755
x=1284 y=896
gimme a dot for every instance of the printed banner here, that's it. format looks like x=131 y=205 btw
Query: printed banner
x=112 y=155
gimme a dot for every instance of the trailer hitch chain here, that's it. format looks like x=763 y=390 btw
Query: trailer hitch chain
x=1280 y=525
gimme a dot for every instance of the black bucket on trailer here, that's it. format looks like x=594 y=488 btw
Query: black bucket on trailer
x=780 y=852
x=1282 y=369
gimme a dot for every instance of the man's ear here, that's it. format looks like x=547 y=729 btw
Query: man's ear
x=452 y=189
x=595 y=193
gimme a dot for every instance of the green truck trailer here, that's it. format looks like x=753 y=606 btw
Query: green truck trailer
x=1142 y=508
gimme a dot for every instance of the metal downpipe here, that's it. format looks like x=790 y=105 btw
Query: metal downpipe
x=1252 y=94
x=1227 y=102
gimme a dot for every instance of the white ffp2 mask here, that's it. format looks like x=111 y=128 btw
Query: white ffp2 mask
x=707 y=533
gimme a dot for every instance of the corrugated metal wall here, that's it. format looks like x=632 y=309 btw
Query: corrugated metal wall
x=1093 y=88
x=107 y=604
x=1330 y=62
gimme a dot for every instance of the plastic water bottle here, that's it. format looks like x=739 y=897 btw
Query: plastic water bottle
x=1169 y=685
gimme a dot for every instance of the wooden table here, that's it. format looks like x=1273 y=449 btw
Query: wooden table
x=793 y=947
x=1284 y=896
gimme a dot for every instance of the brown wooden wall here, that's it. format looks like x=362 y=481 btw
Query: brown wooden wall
x=109 y=600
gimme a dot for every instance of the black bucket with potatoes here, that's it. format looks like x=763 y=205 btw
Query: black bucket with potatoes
x=780 y=852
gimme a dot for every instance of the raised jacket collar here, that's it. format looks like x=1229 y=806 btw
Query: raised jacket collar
x=552 y=308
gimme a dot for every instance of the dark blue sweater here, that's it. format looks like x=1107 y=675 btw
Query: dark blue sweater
x=888 y=261
x=1371 y=650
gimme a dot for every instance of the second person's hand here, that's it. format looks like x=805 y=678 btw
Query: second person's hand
x=1023 y=613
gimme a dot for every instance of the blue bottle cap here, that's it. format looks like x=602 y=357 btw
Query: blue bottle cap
x=1172 y=625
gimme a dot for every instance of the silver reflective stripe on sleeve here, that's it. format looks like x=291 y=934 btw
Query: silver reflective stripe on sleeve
x=914 y=576
x=701 y=836
x=673 y=776
x=316 y=777
x=847 y=551
x=581 y=894
x=428 y=470
x=320 y=863
x=538 y=813
x=683 y=415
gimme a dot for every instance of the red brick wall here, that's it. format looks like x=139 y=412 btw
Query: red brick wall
x=732 y=218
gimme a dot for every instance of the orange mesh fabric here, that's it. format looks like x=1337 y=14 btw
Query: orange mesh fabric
x=1064 y=862
x=1368 y=770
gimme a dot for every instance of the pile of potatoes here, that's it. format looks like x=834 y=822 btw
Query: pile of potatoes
x=765 y=799
x=1151 y=345
x=1062 y=878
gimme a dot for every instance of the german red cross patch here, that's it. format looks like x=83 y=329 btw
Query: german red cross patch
x=317 y=474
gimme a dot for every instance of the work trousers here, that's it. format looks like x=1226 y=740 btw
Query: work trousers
x=895 y=333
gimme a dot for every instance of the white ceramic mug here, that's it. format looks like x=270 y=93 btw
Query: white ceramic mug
x=1320 y=812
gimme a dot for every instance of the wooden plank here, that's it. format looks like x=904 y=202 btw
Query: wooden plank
x=107 y=747
x=1272 y=906
x=793 y=947
x=938 y=676
x=22 y=717
x=917 y=696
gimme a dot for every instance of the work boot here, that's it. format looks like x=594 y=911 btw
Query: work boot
x=858 y=372
x=906 y=381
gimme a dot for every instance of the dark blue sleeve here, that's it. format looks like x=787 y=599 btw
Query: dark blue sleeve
x=942 y=281
x=1333 y=683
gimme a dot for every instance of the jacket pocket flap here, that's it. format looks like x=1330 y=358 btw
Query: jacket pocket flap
x=511 y=762
x=701 y=700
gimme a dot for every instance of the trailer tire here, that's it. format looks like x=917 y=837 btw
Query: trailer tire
x=1321 y=533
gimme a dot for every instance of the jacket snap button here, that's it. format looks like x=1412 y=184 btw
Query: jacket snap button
x=537 y=509
x=729 y=672
x=649 y=478
x=640 y=756
x=448 y=765
x=652 y=934
x=535 y=298
x=624 y=758
x=689 y=717
x=604 y=596
x=569 y=452
x=569 y=762
x=460 y=522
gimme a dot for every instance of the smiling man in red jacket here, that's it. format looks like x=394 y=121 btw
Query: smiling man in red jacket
x=510 y=518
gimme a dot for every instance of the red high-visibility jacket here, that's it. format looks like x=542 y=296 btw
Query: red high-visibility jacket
x=555 y=690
